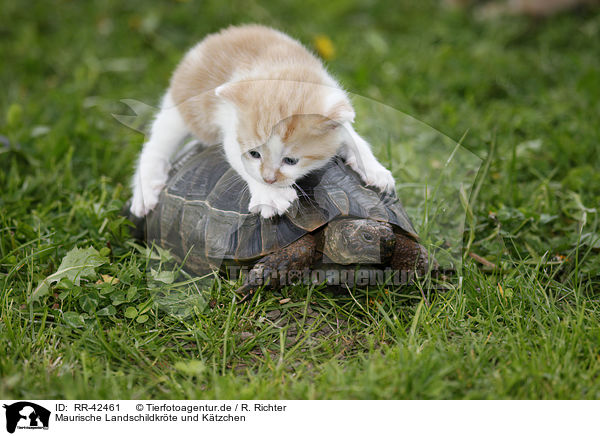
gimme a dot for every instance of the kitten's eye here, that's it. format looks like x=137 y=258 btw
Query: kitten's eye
x=290 y=161
x=255 y=154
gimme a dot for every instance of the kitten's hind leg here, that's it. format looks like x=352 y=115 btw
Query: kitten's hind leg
x=358 y=155
x=168 y=130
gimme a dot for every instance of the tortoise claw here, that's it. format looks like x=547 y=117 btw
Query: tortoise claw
x=296 y=256
x=246 y=291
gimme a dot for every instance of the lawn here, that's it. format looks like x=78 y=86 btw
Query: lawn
x=524 y=321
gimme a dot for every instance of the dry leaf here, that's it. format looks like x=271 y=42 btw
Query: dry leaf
x=107 y=279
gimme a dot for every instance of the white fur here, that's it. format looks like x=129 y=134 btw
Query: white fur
x=332 y=97
x=264 y=199
x=219 y=89
x=358 y=155
x=167 y=132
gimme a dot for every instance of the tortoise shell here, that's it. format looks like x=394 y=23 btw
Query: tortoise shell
x=202 y=214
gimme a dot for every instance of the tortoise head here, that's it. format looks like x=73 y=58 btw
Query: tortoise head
x=358 y=241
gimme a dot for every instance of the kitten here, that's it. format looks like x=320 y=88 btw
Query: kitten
x=271 y=104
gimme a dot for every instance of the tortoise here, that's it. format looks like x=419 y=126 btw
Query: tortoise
x=202 y=216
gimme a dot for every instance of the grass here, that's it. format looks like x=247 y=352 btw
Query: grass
x=524 y=91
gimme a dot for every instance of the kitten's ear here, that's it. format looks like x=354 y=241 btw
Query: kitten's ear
x=328 y=124
x=338 y=115
x=230 y=91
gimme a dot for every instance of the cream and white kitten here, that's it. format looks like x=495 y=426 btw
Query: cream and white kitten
x=273 y=107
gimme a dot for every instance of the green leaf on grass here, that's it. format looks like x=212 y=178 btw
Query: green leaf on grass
x=74 y=319
x=89 y=302
x=145 y=306
x=153 y=253
x=591 y=240
x=131 y=293
x=191 y=367
x=108 y=310
x=77 y=264
x=117 y=299
x=131 y=312
x=14 y=114
x=167 y=277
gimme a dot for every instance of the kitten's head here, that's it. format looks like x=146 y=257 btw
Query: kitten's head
x=285 y=128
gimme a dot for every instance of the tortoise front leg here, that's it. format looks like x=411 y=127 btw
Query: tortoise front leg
x=409 y=256
x=297 y=256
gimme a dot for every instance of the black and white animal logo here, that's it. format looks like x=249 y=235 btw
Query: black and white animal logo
x=26 y=415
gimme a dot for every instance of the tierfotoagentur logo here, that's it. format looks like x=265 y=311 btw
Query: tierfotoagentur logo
x=24 y=415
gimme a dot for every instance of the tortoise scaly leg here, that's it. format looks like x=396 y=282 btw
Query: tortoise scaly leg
x=274 y=268
x=409 y=256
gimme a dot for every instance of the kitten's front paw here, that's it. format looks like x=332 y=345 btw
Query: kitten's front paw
x=381 y=178
x=151 y=180
x=144 y=200
x=270 y=202
x=373 y=175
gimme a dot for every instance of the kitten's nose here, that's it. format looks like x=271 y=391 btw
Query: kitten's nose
x=270 y=180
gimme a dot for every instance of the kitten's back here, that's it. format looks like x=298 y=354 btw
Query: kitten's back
x=231 y=54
